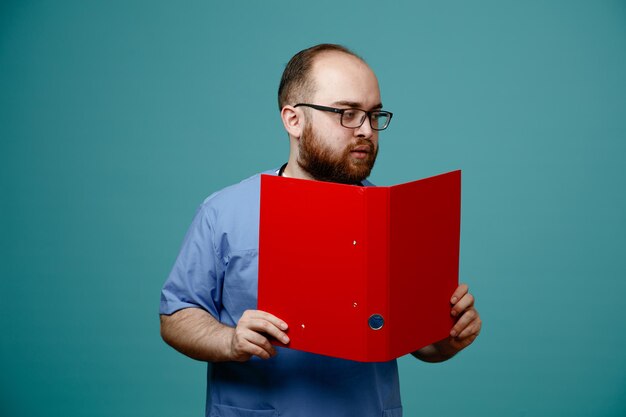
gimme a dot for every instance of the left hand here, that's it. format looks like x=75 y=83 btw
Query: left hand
x=462 y=334
x=468 y=323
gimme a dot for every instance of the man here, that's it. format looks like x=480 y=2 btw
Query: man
x=331 y=107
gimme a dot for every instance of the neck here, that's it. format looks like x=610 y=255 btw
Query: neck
x=293 y=170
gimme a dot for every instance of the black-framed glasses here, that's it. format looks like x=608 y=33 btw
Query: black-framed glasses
x=353 y=118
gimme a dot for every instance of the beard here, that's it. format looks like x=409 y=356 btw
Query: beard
x=324 y=164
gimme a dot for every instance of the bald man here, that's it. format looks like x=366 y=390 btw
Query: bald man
x=331 y=108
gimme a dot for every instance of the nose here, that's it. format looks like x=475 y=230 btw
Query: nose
x=365 y=130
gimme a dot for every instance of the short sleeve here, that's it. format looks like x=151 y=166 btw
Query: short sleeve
x=197 y=276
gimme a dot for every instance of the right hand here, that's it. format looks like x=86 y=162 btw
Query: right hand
x=251 y=336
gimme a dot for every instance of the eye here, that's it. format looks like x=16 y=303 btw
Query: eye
x=350 y=114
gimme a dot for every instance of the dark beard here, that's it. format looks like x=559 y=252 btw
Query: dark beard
x=323 y=165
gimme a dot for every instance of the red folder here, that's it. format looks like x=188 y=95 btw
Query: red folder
x=360 y=273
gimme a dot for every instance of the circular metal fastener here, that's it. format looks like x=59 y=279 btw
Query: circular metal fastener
x=376 y=321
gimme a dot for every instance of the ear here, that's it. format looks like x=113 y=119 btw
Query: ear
x=293 y=121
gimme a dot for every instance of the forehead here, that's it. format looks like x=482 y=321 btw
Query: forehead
x=339 y=77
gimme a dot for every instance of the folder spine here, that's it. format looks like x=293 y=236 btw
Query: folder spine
x=379 y=325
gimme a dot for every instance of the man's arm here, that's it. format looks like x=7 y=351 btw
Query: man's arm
x=464 y=332
x=197 y=334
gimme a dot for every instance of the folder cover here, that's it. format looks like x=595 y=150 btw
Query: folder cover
x=360 y=273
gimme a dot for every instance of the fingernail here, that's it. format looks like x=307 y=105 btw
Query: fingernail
x=283 y=326
x=285 y=340
x=453 y=333
x=454 y=313
x=454 y=300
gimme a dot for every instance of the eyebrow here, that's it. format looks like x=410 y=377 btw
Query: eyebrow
x=355 y=105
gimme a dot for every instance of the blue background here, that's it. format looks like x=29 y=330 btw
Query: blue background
x=117 y=118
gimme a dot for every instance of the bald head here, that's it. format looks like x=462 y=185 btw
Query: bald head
x=297 y=83
x=341 y=80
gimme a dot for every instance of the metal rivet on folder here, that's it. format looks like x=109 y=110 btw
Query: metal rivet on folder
x=376 y=321
x=303 y=326
x=354 y=242
x=354 y=304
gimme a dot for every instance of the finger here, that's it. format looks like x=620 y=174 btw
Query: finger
x=266 y=323
x=268 y=328
x=258 y=340
x=465 y=342
x=466 y=302
x=471 y=331
x=251 y=349
x=460 y=291
x=259 y=314
x=256 y=344
x=463 y=322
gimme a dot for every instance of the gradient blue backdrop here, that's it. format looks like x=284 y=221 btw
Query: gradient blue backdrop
x=117 y=118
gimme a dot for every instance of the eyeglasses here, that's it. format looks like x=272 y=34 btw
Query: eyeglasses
x=353 y=118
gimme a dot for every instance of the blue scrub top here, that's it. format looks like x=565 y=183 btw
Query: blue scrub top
x=216 y=270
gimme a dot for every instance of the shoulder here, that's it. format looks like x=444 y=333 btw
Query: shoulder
x=241 y=197
x=245 y=189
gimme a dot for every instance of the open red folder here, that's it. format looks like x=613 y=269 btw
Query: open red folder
x=360 y=273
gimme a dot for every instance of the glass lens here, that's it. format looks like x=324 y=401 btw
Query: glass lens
x=379 y=120
x=353 y=117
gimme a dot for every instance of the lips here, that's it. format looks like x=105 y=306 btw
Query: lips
x=362 y=149
x=362 y=152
